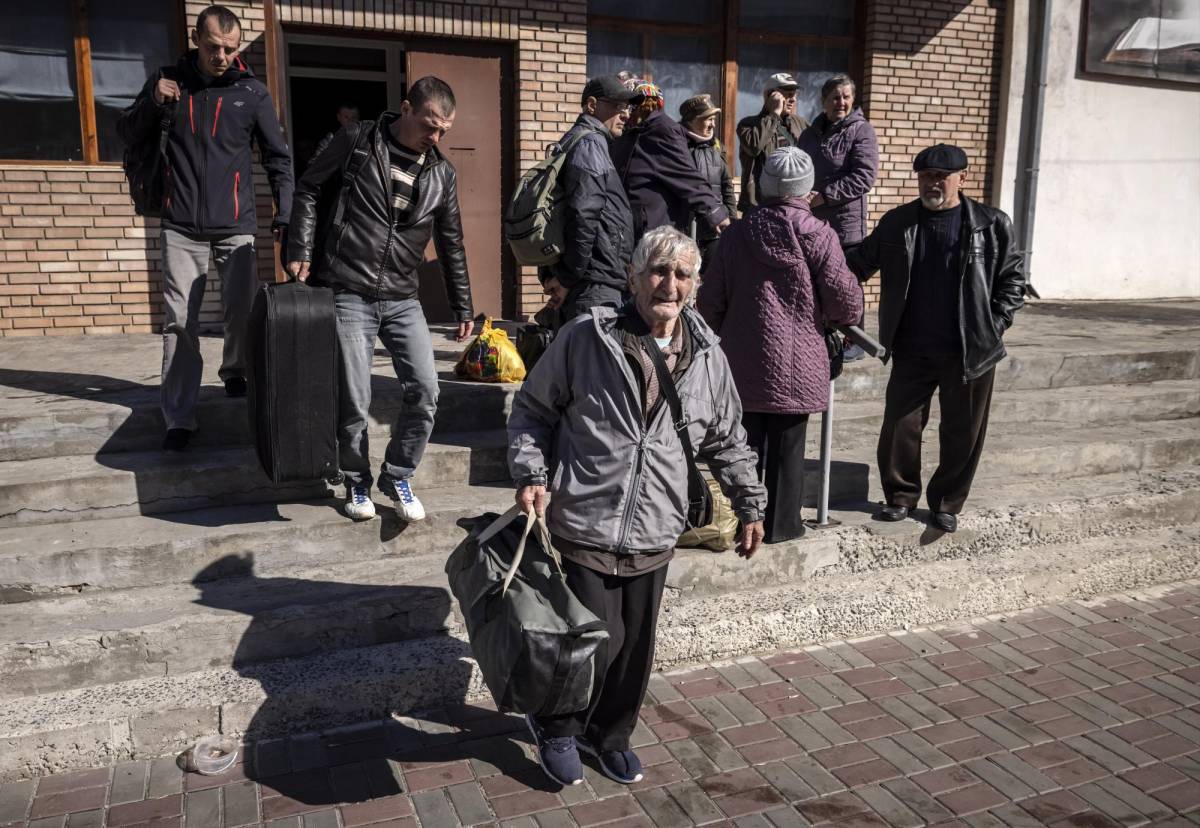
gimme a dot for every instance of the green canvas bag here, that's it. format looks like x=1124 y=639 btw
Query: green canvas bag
x=533 y=222
x=534 y=641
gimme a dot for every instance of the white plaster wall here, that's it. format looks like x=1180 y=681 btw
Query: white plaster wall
x=1118 y=202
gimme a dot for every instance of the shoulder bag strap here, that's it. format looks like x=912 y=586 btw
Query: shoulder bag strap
x=354 y=162
x=666 y=386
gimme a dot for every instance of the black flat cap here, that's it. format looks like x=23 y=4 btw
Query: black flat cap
x=940 y=157
x=608 y=87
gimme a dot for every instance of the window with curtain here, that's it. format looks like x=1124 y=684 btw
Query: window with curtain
x=39 y=101
x=681 y=46
x=42 y=105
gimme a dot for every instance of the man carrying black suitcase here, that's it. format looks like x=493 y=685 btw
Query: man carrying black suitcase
x=394 y=191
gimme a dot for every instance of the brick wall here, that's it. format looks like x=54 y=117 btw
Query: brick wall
x=74 y=258
x=932 y=74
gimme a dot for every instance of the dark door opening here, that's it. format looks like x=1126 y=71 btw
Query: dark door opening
x=325 y=71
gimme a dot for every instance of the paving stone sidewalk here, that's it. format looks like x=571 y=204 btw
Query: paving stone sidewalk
x=1076 y=714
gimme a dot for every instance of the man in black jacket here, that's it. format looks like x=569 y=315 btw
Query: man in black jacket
x=660 y=175
x=217 y=109
x=391 y=191
x=952 y=279
x=598 y=230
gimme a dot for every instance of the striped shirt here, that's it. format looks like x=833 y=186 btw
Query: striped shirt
x=406 y=166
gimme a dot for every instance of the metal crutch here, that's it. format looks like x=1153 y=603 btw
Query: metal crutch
x=873 y=348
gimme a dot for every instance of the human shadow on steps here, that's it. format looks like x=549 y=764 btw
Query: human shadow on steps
x=337 y=663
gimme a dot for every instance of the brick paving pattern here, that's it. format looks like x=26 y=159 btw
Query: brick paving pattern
x=1076 y=714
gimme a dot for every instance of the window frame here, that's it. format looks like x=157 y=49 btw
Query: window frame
x=86 y=98
x=725 y=51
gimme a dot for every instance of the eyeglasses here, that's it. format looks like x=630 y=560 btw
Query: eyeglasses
x=621 y=106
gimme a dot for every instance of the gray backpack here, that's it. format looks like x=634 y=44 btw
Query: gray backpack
x=533 y=222
x=534 y=641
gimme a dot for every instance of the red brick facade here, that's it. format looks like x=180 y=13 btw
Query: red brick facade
x=932 y=73
x=75 y=259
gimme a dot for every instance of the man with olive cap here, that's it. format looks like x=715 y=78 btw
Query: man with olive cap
x=777 y=125
x=951 y=281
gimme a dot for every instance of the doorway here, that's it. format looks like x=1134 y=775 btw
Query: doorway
x=326 y=70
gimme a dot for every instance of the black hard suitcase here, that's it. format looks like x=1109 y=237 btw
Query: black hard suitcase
x=293 y=394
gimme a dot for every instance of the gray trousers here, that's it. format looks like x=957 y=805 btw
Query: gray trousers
x=400 y=325
x=185 y=271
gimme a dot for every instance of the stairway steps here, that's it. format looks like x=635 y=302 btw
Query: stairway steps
x=330 y=603
x=44 y=426
x=82 y=487
x=148 y=717
x=104 y=415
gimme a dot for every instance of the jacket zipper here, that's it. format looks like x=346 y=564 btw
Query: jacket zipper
x=217 y=116
x=635 y=484
x=192 y=113
x=237 y=181
x=203 y=166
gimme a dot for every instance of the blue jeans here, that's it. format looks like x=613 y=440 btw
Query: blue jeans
x=400 y=325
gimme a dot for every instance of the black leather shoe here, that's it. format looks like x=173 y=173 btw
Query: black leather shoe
x=892 y=513
x=177 y=439
x=235 y=387
x=944 y=521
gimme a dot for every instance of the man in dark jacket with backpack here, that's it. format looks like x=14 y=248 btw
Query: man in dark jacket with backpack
x=385 y=190
x=212 y=108
x=598 y=226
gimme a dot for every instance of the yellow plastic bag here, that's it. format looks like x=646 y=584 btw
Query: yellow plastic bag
x=491 y=357
x=719 y=535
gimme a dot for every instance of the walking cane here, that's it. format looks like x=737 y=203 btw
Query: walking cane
x=863 y=340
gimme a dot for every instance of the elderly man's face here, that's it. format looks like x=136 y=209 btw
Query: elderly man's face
x=940 y=188
x=661 y=293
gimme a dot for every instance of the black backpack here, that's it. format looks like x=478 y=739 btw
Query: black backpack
x=145 y=163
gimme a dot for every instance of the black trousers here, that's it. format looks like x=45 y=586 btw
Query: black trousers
x=778 y=440
x=629 y=608
x=964 y=419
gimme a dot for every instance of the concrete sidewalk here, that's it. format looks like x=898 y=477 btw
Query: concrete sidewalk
x=1073 y=714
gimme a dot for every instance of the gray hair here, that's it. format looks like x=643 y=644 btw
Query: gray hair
x=837 y=82
x=661 y=245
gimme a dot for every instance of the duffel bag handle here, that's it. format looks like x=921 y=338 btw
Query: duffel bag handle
x=530 y=521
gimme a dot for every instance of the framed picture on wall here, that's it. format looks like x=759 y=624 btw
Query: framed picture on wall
x=1150 y=39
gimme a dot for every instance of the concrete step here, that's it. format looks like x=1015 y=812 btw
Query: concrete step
x=329 y=603
x=1078 y=405
x=148 y=717
x=55 y=424
x=84 y=487
x=59 y=414
x=44 y=560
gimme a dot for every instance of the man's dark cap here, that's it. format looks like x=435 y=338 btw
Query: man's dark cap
x=608 y=87
x=940 y=157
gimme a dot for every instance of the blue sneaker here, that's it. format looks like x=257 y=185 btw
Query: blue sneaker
x=407 y=505
x=557 y=755
x=621 y=766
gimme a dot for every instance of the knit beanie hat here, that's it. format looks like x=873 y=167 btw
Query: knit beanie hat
x=788 y=172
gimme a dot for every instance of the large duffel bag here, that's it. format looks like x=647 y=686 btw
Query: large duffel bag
x=534 y=641
x=293 y=379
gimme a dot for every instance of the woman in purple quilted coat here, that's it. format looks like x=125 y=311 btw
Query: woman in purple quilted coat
x=777 y=277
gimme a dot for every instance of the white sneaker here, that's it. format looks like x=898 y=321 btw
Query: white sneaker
x=359 y=505
x=407 y=505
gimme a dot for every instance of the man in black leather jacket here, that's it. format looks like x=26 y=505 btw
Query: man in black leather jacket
x=384 y=189
x=952 y=279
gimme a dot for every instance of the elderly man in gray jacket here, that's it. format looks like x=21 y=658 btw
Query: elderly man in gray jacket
x=591 y=427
